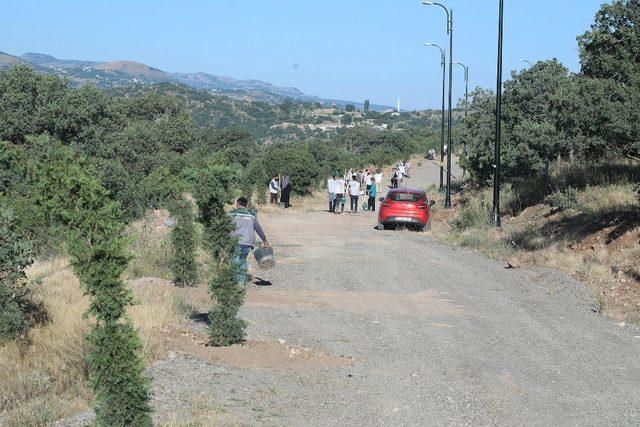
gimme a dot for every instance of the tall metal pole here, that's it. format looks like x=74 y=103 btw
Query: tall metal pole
x=444 y=79
x=496 y=176
x=447 y=201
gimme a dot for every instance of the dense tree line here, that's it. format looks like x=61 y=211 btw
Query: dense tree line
x=550 y=113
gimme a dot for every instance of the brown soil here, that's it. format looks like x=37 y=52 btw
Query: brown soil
x=250 y=354
x=426 y=303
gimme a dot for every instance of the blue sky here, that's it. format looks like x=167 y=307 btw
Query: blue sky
x=345 y=49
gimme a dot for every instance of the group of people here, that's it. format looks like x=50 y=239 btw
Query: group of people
x=284 y=191
x=355 y=184
x=399 y=173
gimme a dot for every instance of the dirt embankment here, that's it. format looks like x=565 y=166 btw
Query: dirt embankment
x=599 y=248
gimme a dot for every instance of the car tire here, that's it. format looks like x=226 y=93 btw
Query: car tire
x=380 y=226
x=427 y=226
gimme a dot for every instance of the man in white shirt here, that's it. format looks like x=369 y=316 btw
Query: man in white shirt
x=354 y=193
x=331 y=184
x=274 y=187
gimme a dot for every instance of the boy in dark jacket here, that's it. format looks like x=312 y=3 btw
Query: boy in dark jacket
x=247 y=226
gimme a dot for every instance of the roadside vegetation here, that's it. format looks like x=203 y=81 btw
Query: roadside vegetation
x=571 y=165
x=87 y=177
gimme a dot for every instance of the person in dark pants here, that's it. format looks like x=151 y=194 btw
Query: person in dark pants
x=246 y=227
x=274 y=187
x=373 y=192
x=354 y=193
x=285 y=196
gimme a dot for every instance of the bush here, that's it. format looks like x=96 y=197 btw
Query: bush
x=183 y=239
x=216 y=188
x=565 y=199
x=15 y=257
x=295 y=160
x=69 y=195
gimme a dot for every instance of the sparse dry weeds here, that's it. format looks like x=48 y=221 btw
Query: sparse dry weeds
x=596 y=240
x=46 y=379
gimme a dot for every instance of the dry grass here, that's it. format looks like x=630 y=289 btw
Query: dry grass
x=603 y=199
x=150 y=247
x=298 y=204
x=46 y=379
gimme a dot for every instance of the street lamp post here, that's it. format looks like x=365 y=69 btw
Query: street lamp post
x=526 y=61
x=444 y=67
x=496 y=176
x=466 y=96
x=447 y=201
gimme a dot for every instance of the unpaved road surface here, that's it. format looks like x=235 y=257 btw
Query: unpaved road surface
x=396 y=328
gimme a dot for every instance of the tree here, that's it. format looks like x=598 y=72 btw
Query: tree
x=611 y=48
x=69 y=195
x=350 y=108
x=15 y=256
x=535 y=113
x=293 y=159
x=366 y=106
x=607 y=99
x=216 y=188
x=183 y=240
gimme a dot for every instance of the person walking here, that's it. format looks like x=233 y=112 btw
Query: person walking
x=246 y=226
x=339 y=190
x=368 y=179
x=378 y=180
x=373 y=192
x=354 y=193
x=394 y=178
x=274 y=187
x=331 y=190
x=285 y=195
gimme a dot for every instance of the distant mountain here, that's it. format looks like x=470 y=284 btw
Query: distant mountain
x=128 y=73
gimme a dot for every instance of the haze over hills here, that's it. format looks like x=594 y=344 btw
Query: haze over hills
x=111 y=74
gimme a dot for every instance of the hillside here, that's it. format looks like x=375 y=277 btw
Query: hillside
x=285 y=121
x=113 y=74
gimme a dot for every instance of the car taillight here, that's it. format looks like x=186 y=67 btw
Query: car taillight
x=423 y=206
x=385 y=203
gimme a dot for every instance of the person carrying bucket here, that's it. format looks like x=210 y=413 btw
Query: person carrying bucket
x=246 y=227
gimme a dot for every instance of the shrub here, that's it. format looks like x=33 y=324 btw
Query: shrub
x=183 y=240
x=216 y=187
x=15 y=256
x=475 y=213
x=71 y=196
x=295 y=160
x=565 y=199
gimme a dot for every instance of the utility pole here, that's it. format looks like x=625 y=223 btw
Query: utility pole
x=449 y=12
x=444 y=79
x=496 y=176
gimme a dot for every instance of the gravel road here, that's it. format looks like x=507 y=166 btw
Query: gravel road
x=438 y=335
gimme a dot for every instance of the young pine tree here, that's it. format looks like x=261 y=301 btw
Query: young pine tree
x=215 y=189
x=15 y=256
x=69 y=195
x=183 y=241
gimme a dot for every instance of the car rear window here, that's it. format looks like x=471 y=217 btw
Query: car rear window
x=406 y=197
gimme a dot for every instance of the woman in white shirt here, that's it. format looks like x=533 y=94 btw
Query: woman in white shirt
x=339 y=188
x=354 y=193
x=378 y=180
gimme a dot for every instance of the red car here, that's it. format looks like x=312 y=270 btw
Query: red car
x=404 y=206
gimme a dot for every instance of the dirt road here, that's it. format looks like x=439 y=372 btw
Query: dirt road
x=396 y=328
